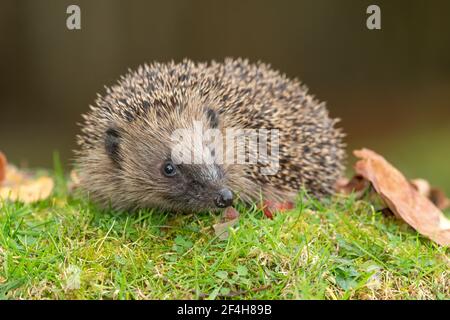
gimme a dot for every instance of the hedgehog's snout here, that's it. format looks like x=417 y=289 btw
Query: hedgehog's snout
x=224 y=198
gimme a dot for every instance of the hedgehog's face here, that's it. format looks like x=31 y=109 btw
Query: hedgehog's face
x=153 y=175
x=194 y=187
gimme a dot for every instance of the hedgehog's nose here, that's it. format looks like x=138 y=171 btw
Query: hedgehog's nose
x=224 y=198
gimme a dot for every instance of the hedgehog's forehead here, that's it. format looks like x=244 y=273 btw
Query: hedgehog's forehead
x=191 y=149
x=203 y=172
x=195 y=144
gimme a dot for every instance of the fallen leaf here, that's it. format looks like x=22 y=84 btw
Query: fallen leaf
x=270 y=207
x=230 y=213
x=357 y=185
x=436 y=195
x=422 y=186
x=404 y=200
x=21 y=186
x=14 y=176
x=3 y=165
x=29 y=191
x=230 y=217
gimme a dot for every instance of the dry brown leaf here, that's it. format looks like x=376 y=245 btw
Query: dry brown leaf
x=20 y=186
x=230 y=217
x=422 y=186
x=357 y=185
x=270 y=207
x=29 y=191
x=230 y=213
x=436 y=195
x=402 y=198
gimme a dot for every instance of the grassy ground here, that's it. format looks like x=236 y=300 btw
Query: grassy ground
x=65 y=248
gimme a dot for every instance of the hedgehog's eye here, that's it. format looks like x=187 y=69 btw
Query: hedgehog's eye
x=169 y=169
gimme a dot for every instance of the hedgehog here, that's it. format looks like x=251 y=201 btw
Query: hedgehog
x=126 y=157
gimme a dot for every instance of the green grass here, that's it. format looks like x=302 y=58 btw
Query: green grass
x=66 y=248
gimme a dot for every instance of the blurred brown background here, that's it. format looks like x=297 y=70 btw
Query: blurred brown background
x=390 y=87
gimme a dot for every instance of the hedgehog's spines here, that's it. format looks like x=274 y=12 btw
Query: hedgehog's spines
x=245 y=96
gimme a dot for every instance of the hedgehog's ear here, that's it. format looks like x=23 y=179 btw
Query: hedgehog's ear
x=112 y=144
x=213 y=117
